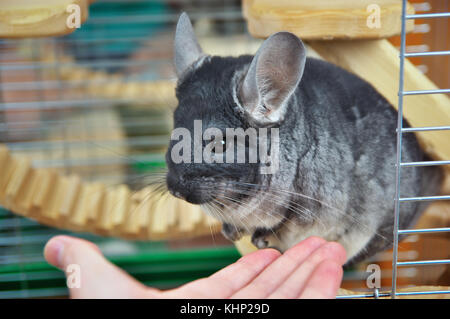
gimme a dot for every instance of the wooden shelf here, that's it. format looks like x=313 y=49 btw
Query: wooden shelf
x=325 y=19
x=38 y=18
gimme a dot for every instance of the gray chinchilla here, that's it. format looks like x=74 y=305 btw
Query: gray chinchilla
x=336 y=148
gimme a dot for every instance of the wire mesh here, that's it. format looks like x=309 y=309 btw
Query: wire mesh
x=60 y=105
x=79 y=104
x=399 y=164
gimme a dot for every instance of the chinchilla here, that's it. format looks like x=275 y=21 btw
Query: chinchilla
x=336 y=148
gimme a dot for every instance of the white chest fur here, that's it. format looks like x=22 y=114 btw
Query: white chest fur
x=353 y=241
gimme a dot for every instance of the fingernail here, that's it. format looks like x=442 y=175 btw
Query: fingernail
x=56 y=250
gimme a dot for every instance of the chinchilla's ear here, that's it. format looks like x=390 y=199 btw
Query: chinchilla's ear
x=272 y=77
x=186 y=50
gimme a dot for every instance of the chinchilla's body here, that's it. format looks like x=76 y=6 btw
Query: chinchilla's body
x=337 y=148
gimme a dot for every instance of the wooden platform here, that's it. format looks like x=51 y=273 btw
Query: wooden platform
x=67 y=202
x=33 y=18
x=326 y=19
x=377 y=61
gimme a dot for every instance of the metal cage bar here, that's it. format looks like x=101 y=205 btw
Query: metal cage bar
x=49 y=111
x=425 y=15
x=423 y=129
x=399 y=164
x=399 y=151
x=430 y=53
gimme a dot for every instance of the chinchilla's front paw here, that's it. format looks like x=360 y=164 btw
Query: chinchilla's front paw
x=231 y=232
x=259 y=238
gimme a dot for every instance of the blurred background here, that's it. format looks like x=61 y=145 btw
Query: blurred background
x=98 y=103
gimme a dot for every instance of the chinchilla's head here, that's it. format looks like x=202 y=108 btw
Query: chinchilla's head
x=225 y=139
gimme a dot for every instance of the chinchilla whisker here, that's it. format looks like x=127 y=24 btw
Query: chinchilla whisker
x=293 y=206
x=270 y=214
x=161 y=188
x=233 y=224
x=331 y=129
x=305 y=212
x=355 y=220
x=283 y=220
x=255 y=215
x=142 y=180
x=149 y=196
x=213 y=210
x=296 y=211
x=284 y=191
x=339 y=213
x=298 y=208
x=289 y=192
x=209 y=207
x=312 y=215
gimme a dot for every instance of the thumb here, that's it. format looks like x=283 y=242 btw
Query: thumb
x=89 y=274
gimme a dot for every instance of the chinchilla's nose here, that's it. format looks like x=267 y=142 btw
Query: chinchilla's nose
x=186 y=189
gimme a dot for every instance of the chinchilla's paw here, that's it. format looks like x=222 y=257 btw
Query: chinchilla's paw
x=259 y=238
x=231 y=232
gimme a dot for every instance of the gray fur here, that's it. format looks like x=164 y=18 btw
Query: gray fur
x=337 y=155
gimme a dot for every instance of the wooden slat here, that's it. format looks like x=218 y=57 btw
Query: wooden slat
x=159 y=226
x=95 y=203
x=378 y=63
x=56 y=194
x=70 y=197
x=66 y=202
x=132 y=225
x=325 y=19
x=144 y=216
x=190 y=217
x=79 y=217
x=121 y=208
x=6 y=174
x=23 y=202
x=4 y=155
x=31 y=18
x=103 y=223
x=45 y=180
x=18 y=180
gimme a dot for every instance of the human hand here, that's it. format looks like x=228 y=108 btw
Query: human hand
x=311 y=269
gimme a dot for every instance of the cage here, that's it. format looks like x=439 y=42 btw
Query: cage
x=95 y=106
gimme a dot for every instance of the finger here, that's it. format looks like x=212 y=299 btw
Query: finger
x=54 y=247
x=274 y=275
x=324 y=282
x=89 y=274
x=295 y=283
x=227 y=281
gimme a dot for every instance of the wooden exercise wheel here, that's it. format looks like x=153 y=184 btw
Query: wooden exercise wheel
x=67 y=202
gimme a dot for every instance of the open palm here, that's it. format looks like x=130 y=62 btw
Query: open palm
x=311 y=269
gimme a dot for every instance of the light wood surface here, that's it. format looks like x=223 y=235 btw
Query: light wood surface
x=67 y=202
x=326 y=19
x=377 y=61
x=38 y=18
x=345 y=292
